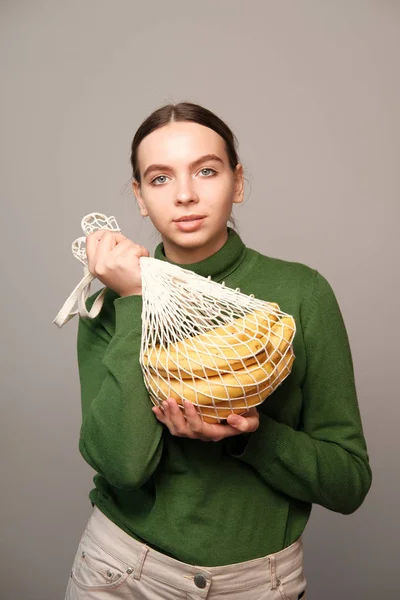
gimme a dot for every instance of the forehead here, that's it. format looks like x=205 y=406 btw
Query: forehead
x=179 y=143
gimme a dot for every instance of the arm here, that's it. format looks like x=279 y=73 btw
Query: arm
x=120 y=437
x=325 y=461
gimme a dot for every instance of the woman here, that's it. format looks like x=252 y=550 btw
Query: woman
x=174 y=516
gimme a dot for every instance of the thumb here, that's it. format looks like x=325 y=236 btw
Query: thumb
x=238 y=422
x=119 y=237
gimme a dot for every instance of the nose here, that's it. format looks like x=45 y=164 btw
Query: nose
x=186 y=192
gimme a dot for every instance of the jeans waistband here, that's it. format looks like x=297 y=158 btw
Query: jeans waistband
x=142 y=558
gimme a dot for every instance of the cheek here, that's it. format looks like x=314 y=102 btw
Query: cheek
x=221 y=188
x=158 y=215
x=159 y=201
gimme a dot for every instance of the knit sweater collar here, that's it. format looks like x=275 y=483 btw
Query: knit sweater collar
x=220 y=264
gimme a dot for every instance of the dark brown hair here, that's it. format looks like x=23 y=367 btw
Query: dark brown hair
x=184 y=111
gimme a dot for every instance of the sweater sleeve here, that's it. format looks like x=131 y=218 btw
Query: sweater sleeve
x=325 y=461
x=120 y=436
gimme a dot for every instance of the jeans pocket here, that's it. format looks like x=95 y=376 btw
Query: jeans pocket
x=95 y=568
x=293 y=586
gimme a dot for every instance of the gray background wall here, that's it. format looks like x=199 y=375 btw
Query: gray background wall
x=312 y=91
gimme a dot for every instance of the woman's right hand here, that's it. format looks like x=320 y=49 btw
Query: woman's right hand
x=114 y=260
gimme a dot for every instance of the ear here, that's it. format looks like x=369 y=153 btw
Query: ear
x=138 y=195
x=239 y=185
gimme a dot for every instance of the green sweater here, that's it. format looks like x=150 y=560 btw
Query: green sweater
x=216 y=503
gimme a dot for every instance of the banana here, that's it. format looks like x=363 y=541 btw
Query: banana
x=224 y=386
x=252 y=325
x=227 y=369
x=203 y=363
x=282 y=334
x=203 y=391
x=222 y=410
x=225 y=348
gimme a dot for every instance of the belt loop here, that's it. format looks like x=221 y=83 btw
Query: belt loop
x=272 y=572
x=139 y=565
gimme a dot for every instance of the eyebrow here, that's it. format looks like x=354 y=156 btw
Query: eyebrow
x=195 y=163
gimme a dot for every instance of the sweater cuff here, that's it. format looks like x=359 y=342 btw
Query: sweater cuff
x=262 y=447
x=128 y=315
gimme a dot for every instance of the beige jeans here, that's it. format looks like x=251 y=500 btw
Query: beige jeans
x=110 y=564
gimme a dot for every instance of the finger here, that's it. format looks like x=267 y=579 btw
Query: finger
x=193 y=417
x=92 y=241
x=158 y=413
x=237 y=422
x=106 y=243
x=96 y=236
x=168 y=420
x=144 y=251
x=252 y=415
x=177 y=419
x=244 y=423
x=217 y=432
x=127 y=245
x=206 y=431
x=99 y=243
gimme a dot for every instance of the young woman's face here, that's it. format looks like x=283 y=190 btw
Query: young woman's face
x=187 y=188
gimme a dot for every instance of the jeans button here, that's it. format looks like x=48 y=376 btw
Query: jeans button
x=200 y=581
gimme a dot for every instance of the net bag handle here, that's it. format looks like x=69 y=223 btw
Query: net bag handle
x=89 y=224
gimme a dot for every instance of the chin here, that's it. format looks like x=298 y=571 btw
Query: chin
x=207 y=235
x=190 y=240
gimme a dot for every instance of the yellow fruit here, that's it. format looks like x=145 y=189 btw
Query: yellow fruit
x=223 y=349
x=224 y=386
x=226 y=370
x=202 y=363
x=282 y=334
x=222 y=410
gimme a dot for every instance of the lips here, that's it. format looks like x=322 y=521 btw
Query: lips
x=189 y=218
x=189 y=223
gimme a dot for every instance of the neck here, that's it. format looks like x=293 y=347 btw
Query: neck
x=185 y=256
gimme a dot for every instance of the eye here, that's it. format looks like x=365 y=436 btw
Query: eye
x=156 y=180
x=210 y=171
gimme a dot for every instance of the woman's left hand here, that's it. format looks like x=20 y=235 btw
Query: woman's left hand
x=188 y=422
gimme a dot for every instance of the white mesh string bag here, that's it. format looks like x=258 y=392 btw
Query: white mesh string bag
x=202 y=342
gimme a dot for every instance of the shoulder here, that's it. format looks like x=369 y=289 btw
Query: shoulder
x=284 y=271
x=296 y=285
